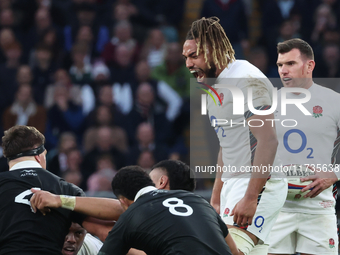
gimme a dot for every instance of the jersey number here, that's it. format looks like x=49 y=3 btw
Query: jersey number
x=178 y=203
x=20 y=199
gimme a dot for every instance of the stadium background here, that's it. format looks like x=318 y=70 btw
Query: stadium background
x=106 y=83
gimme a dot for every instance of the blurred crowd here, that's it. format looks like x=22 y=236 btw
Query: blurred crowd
x=105 y=80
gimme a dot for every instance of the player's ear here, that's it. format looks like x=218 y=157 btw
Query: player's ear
x=164 y=182
x=37 y=158
x=125 y=203
x=310 y=66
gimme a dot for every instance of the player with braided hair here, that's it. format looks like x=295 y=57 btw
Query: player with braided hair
x=254 y=202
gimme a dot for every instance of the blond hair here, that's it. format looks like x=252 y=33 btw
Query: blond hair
x=208 y=31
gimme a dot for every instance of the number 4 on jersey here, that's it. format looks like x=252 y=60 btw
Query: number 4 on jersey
x=22 y=200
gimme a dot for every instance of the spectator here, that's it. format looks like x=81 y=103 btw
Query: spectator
x=73 y=173
x=146 y=142
x=49 y=38
x=100 y=75
x=330 y=67
x=103 y=146
x=146 y=160
x=101 y=179
x=86 y=14
x=324 y=19
x=8 y=72
x=8 y=20
x=24 y=75
x=43 y=72
x=57 y=160
x=63 y=116
x=121 y=75
x=79 y=95
x=80 y=71
x=233 y=19
x=144 y=110
x=105 y=97
x=154 y=48
x=25 y=111
x=7 y=38
x=167 y=99
x=103 y=117
x=122 y=36
x=43 y=22
x=259 y=58
x=173 y=71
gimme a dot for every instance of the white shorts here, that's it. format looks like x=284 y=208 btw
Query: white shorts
x=271 y=202
x=304 y=233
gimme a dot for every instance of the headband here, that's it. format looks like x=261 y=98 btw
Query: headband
x=32 y=152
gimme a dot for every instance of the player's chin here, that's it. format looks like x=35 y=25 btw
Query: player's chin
x=69 y=252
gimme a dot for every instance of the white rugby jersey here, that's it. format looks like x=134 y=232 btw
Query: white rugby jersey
x=314 y=140
x=237 y=142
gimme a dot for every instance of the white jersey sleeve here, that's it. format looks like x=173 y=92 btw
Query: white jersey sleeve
x=91 y=246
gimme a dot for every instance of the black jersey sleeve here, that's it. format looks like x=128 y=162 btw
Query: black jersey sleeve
x=224 y=227
x=116 y=243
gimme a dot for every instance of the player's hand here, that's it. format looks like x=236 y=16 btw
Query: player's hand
x=244 y=211
x=321 y=181
x=43 y=201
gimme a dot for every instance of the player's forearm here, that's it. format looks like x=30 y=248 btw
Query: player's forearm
x=97 y=227
x=263 y=160
x=101 y=208
x=215 y=197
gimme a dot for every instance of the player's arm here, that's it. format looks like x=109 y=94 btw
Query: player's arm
x=99 y=228
x=101 y=208
x=215 y=196
x=135 y=252
x=264 y=156
x=232 y=245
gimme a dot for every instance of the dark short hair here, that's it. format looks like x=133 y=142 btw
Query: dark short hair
x=181 y=176
x=296 y=43
x=18 y=139
x=129 y=180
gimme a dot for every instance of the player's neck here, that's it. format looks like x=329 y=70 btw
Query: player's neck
x=219 y=71
x=18 y=160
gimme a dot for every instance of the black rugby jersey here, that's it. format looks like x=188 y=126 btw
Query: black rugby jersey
x=168 y=222
x=25 y=232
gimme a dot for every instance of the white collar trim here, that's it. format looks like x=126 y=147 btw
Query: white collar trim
x=143 y=191
x=25 y=164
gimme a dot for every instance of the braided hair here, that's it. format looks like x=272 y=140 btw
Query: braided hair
x=208 y=31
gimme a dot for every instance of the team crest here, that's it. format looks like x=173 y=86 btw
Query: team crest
x=222 y=97
x=317 y=111
x=226 y=212
x=331 y=243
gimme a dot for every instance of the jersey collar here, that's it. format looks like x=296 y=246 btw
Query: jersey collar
x=143 y=191
x=25 y=164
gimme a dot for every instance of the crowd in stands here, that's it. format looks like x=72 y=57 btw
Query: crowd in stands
x=105 y=80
